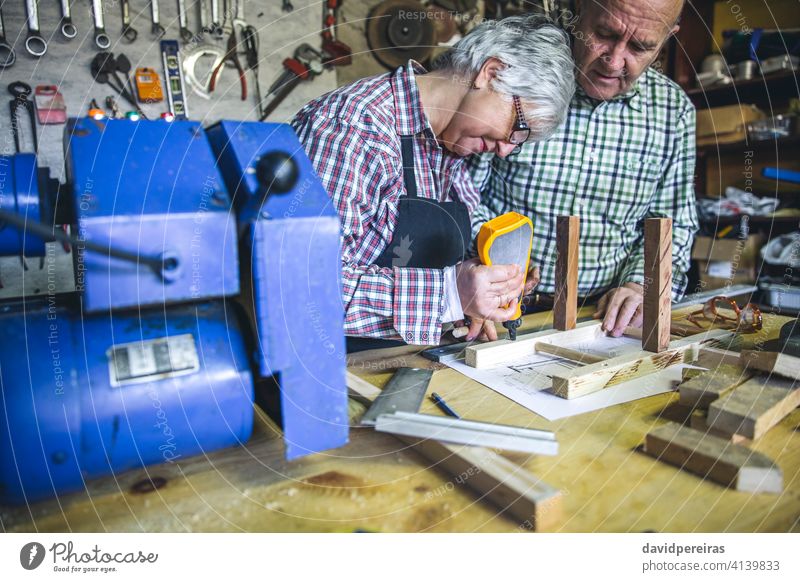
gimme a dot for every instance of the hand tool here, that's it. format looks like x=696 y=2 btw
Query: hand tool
x=335 y=52
x=250 y=41
x=35 y=44
x=68 y=29
x=198 y=81
x=238 y=14
x=148 y=85
x=306 y=64
x=287 y=6
x=50 y=107
x=7 y=54
x=156 y=29
x=231 y=57
x=216 y=23
x=101 y=39
x=20 y=91
x=128 y=32
x=183 y=22
x=202 y=7
x=507 y=240
x=170 y=54
x=105 y=67
x=395 y=411
x=111 y=104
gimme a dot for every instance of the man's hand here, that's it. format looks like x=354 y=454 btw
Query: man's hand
x=620 y=308
x=488 y=293
x=480 y=329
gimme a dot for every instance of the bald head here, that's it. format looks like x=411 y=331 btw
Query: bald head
x=616 y=40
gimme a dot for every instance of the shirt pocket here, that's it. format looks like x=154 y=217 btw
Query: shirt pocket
x=633 y=190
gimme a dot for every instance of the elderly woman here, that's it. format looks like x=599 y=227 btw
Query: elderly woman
x=391 y=152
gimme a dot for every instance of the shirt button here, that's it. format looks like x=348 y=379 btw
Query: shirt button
x=425 y=335
x=409 y=336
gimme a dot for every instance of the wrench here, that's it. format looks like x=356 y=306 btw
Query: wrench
x=35 y=44
x=238 y=13
x=7 y=55
x=203 y=8
x=157 y=30
x=216 y=25
x=68 y=29
x=128 y=31
x=101 y=39
x=186 y=34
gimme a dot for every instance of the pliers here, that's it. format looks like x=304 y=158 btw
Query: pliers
x=231 y=57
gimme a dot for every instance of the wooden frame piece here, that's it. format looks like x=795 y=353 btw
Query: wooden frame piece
x=699 y=421
x=772 y=362
x=702 y=390
x=505 y=484
x=714 y=458
x=565 y=303
x=657 y=308
x=594 y=377
x=754 y=407
x=500 y=351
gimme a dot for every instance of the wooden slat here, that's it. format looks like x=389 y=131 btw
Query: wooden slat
x=568 y=353
x=497 y=352
x=496 y=479
x=754 y=407
x=565 y=304
x=714 y=458
x=702 y=390
x=774 y=362
x=699 y=421
x=594 y=377
x=657 y=284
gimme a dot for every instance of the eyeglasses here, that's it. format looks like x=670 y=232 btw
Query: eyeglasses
x=520 y=131
x=747 y=319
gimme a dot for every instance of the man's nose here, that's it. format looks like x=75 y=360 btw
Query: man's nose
x=503 y=148
x=614 y=58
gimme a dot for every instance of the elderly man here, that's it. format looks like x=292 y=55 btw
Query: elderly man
x=626 y=152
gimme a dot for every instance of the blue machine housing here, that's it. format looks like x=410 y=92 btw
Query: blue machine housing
x=82 y=397
x=151 y=188
x=20 y=193
x=294 y=240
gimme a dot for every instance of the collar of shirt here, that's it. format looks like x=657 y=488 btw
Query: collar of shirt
x=410 y=118
x=632 y=97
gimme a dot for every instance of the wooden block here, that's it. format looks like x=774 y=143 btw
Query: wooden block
x=713 y=357
x=565 y=304
x=698 y=421
x=689 y=373
x=701 y=391
x=774 y=362
x=498 y=480
x=754 y=407
x=657 y=310
x=594 y=377
x=495 y=353
x=568 y=353
x=714 y=458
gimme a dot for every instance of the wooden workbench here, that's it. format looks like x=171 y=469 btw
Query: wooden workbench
x=376 y=483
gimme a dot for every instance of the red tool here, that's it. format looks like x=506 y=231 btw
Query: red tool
x=335 y=51
x=50 y=107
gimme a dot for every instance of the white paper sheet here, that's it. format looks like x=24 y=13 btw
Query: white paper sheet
x=527 y=381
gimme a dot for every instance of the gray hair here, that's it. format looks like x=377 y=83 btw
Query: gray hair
x=539 y=66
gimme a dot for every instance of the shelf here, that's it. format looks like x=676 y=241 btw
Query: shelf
x=740 y=146
x=770 y=92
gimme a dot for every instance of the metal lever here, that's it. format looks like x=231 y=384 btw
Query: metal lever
x=128 y=31
x=216 y=24
x=183 y=21
x=68 y=29
x=35 y=44
x=7 y=55
x=157 y=30
x=101 y=39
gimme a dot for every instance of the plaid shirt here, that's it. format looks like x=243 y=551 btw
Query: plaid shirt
x=352 y=136
x=612 y=164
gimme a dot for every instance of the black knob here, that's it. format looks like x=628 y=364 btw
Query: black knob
x=277 y=172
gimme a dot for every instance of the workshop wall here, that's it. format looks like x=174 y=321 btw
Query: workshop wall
x=67 y=63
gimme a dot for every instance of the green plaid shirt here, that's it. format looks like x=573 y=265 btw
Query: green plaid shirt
x=613 y=164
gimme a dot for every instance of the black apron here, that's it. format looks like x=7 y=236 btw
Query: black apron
x=428 y=235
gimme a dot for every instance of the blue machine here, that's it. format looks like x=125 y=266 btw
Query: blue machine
x=205 y=261
x=293 y=238
x=20 y=193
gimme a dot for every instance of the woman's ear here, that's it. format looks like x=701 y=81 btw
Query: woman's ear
x=491 y=67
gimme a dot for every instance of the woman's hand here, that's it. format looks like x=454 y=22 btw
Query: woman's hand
x=488 y=293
